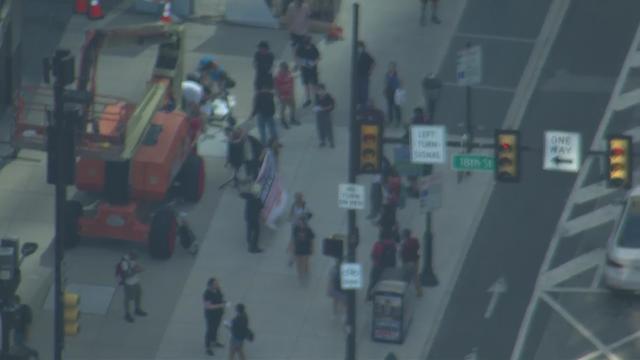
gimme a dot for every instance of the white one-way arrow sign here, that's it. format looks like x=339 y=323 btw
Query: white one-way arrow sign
x=496 y=290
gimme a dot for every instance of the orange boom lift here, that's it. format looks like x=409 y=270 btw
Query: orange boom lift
x=131 y=158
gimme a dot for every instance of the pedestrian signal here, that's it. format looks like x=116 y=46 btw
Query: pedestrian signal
x=620 y=163
x=507 y=155
x=370 y=149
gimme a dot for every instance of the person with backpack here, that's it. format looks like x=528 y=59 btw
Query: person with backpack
x=23 y=317
x=391 y=84
x=391 y=189
x=301 y=246
x=240 y=332
x=410 y=256
x=127 y=271
x=383 y=256
x=263 y=61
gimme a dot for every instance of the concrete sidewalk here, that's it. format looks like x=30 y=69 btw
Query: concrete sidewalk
x=292 y=321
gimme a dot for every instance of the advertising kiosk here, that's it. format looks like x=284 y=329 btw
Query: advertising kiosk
x=392 y=308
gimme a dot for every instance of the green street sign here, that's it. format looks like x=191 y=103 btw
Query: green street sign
x=466 y=162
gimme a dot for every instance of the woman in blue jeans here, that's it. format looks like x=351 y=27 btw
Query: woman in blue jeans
x=264 y=108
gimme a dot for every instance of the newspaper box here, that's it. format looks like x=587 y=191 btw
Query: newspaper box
x=392 y=309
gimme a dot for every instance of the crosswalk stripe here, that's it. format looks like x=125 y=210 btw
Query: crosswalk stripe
x=591 y=220
x=592 y=192
x=574 y=267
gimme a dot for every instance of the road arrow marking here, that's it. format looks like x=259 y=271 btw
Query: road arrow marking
x=473 y=355
x=558 y=160
x=499 y=287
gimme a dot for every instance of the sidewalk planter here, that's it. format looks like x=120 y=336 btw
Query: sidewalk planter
x=393 y=307
x=180 y=8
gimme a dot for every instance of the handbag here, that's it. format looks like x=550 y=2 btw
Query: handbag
x=400 y=96
x=250 y=335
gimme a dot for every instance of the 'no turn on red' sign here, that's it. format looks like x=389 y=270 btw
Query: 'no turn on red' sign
x=351 y=196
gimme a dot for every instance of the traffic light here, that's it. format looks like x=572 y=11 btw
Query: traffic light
x=334 y=246
x=619 y=151
x=507 y=155
x=369 y=148
x=71 y=313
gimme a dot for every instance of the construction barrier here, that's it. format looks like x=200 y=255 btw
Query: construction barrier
x=95 y=10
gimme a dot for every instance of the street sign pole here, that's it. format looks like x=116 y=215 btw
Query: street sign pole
x=428 y=277
x=351 y=214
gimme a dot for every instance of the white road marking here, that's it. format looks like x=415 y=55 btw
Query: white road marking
x=626 y=100
x=481 y=87
x=495 y=37
x=572 y=268
x=574 y=290
x=597 y=145
x=590 y=220
x=473 y=355
x=592 y=192
x=598 y=276
x=539 y=54
x=498 y=288
x=579 y=327
x=634 y=133
x=635 y=59
x=616 y=344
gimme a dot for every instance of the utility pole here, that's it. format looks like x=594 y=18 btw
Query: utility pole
x=60 y=166
x=352 y=237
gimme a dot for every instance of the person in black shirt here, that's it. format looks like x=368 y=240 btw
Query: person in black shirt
x=265 y=108
x=253 y=207
x=307 y=57
x=240 y=332
x=263 y=63
x=213 y=310
x=364 y=68
x=301 y=247
x=324 y=107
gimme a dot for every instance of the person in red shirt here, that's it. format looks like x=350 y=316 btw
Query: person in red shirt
x=410 y=256
x=285 y=92
x=383 y=255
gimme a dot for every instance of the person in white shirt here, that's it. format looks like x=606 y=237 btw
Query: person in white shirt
x=192 y=95
x=298 y=22
x=131 y=281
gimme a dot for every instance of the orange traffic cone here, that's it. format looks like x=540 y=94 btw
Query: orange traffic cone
x=81 y=6
x=95 y=10
x=166 y=12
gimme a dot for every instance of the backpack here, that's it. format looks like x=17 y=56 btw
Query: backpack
x=388 y=256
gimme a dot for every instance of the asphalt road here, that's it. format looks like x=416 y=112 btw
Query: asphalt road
x=517 y=226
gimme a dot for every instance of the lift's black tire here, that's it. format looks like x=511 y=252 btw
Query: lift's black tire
x=162 y=234
x=192 y=178
x=73 y=210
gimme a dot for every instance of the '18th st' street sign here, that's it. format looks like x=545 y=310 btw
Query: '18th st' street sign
x=466 y=162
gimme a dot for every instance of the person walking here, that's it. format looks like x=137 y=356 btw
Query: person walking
x=299 y=209
x=129 y=270
x=301 y=247
x=383 y=256
x=391 y=84
x=264 y=108
x=410 y=256
x=263 y=63
x=431 y=89
x=214 y=305
x=375 y=192
x=364 y=68
x=391 y=194
x=240 y=332
x=307 y=57
x=334 y=289
x=434 y=12
x=297 y=18
x=252 y=209
x=284 y=86
x=324 y=108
